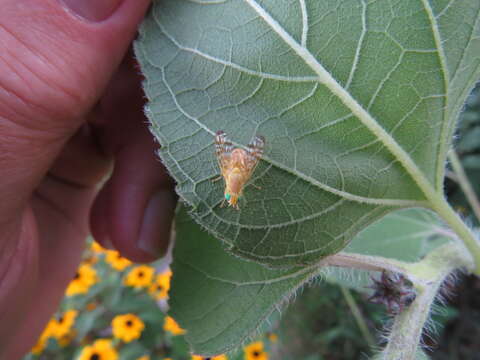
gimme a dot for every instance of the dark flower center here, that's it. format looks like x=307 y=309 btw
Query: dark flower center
x=140 y=274
x=60 y=319
x=129 y=323
x=95 y=356
x=77 y=275
x=256 y=353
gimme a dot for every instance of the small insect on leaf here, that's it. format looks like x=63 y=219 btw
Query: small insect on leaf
x=237 y=165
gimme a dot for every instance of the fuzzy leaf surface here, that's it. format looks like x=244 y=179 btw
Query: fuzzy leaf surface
x=222 y=300
x=357 y=101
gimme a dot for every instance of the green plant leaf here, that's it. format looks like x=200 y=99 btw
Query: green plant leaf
x=220 y=299
x=405 y=235
x=357 y=101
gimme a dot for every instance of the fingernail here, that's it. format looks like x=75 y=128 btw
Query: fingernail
x=157 y=221
x=92 y=10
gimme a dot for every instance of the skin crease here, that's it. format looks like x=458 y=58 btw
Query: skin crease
x=70 y=111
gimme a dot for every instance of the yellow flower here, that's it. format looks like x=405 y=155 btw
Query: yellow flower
x=254 y=351
x=64 y=323
x=85 y=277
x=39 y=346
x=100 y=350
x=97 y=248
x=42 y=340
x=140 y=276
x=218 y=357
x=161 y=285
x=171 y=326
x=117 y=261
x=127 y=327
x=144 y=357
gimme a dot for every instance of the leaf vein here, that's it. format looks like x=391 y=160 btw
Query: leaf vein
x=237 y=66
x=359 y=46
x=442 y=145
x=366 y=118
x=346 y=195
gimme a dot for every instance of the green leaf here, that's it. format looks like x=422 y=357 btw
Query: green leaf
x=220 y=299
x=357 y=101
x=132 y=350
x=86 y=321
x=405 y=235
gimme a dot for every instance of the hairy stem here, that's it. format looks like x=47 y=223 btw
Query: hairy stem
x=366 y=262
x=407 y=328
x=465 y=183
x=445 y=211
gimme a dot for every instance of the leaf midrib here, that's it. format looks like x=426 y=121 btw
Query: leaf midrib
x=327 y=79
x=443 y=143
x=295 y=172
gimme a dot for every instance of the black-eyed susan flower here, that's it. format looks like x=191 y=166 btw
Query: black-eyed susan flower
x=101 y=349
x=95 y=247
x=172 y=327
x=254 y=351
x=127 y=327
x=39 y=346
x=64 y=323
x=116 y=261
x=159 y=288
x=218 y=357
x=42 y=340
x=84 y=278
x=140 y=277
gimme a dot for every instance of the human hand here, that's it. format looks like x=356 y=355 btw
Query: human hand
x=66 y=112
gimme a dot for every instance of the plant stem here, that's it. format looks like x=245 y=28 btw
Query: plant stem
x=366 y=262
x=406 y=332
x=358 y=316
x=465 y=183
x=445 y=211
x=408 y=326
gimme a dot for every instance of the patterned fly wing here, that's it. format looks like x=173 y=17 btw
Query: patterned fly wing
x=254 y=153
x=223 y=150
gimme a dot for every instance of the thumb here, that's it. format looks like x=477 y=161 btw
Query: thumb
x=59 y=56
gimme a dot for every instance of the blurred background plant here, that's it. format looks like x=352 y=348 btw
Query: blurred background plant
x=114 y=309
